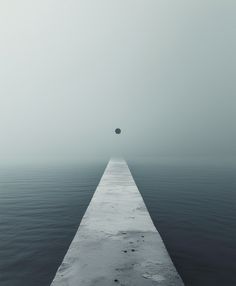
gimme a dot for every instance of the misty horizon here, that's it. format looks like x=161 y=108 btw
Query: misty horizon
x=72 y=72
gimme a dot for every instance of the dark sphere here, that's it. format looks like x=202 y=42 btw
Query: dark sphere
x=118 y=130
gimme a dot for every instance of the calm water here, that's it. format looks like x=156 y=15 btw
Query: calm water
x=192 y=205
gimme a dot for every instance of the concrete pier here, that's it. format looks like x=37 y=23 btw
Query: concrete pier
x=117 y=242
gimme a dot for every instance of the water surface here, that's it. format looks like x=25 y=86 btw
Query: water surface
x=192 y=205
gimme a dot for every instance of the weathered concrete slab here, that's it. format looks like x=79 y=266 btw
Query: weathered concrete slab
x=117 y=243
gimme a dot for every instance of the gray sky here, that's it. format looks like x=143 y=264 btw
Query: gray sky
x=72 y=71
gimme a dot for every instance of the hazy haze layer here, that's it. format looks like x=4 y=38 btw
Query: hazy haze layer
x=72 y=71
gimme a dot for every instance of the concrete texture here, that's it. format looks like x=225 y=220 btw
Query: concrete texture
x=117 y=243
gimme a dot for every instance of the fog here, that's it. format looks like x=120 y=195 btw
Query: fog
x=73 y=71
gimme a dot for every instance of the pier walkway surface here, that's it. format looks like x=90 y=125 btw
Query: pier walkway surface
x=117 y=242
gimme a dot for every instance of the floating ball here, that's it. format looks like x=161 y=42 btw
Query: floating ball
x=118 y=130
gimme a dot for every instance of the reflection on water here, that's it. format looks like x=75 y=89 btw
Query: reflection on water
x=193 y=207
